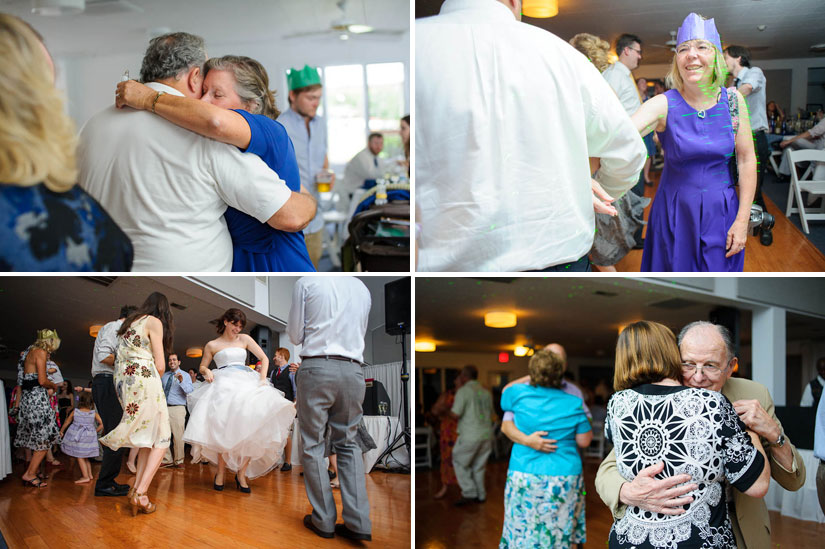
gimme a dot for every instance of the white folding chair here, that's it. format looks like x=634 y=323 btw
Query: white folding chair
x=812 y=186
x=423 y=442
x=775 y=156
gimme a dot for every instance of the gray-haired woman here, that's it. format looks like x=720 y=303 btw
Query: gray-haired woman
x=242 y=85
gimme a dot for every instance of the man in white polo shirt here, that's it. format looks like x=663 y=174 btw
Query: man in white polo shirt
x=167 y=187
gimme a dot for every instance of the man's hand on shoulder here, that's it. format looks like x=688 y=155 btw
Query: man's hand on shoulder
x=757 y=419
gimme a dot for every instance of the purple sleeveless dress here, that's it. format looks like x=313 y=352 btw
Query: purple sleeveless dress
x=696 y=202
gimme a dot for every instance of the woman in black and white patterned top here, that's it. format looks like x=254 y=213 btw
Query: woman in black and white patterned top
x=653 y=418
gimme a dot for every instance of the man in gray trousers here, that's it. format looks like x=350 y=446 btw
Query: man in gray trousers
x=328 y=319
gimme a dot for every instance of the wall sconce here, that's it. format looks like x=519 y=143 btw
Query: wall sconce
x=500 y=319
x=94 y=330
x=540 y=9
x=194 y=352
x=424 y=346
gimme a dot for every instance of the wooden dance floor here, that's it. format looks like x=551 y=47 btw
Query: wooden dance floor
x=190 y=513
x=791 y=251
x=439 y=525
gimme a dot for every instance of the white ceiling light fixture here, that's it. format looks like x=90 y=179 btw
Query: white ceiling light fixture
x=818 y=47
x=55 y=8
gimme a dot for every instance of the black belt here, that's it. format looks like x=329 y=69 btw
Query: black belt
x=104 y=375
x=334 y=357
x=175 y=405
x=29 y=384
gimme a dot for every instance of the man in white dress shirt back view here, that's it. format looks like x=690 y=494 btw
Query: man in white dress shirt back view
x=507 y=115
x=328 y=319
x=168 y=188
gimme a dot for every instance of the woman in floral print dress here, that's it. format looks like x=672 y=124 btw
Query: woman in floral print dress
x=143 y=339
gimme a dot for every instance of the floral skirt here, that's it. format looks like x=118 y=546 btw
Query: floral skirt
x=37 y=426
x=145 y=420
x=543 y=510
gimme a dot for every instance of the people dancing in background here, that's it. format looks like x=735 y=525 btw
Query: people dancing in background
x=542 y=507
x=616 y=231
x=237 y=108
x=697 y=222
x=79 y=434
x=37 y=424
x=238 y=420
x=143 y=339
x=49 y=223
x=447 y=435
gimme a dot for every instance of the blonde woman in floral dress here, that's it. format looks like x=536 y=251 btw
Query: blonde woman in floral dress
x=143 y=339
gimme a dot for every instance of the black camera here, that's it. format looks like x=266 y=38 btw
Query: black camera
x=761 y=220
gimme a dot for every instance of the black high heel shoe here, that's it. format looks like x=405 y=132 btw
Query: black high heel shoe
x=244 y=489
x=216 y=486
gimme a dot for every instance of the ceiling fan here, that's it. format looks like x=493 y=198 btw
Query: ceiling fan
x=671 y=44
x=344 y=27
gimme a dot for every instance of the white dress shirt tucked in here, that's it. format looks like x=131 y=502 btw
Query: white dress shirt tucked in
x=507 y=115
x=105 y=345
x=621 y=80
x=363 y=166
x=329 y=316
x=168 y=188
x=756 y=100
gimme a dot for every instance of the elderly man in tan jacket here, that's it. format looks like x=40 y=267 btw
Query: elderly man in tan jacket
x=708 y=362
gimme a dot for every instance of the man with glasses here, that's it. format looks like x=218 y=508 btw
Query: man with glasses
x=708 y=362
x=618 y=75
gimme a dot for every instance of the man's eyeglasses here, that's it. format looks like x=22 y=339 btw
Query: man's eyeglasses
x=707 y=369
x=639 y=51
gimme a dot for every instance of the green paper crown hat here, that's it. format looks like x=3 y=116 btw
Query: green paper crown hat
x=308 y=76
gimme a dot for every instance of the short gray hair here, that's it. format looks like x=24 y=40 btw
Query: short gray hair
x=723 y=332
x=171 y=54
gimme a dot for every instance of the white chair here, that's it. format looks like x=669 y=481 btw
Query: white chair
x=812 y=186
x=423 y=442
x=775 y=155
x=333 y=215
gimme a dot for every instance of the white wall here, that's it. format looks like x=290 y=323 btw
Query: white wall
x=89 y=81
x=799 y=75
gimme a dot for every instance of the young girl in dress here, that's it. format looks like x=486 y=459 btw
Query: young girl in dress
x=80 y=435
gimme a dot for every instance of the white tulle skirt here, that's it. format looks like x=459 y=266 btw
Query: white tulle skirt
x=241 y=417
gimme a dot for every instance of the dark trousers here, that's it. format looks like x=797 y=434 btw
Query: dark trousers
x=108 y=406
x=581 y=265
x=763 y=154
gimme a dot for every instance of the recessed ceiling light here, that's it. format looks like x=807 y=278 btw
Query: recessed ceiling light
x=760 y=28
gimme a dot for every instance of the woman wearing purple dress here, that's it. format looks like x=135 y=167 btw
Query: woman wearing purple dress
x=697 y=222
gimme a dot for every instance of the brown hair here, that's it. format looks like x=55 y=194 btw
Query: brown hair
x=646 y=353
x=546 y=369
x=284 y=352
x=251 y=83
x=86 y=400
x=232 y=316
x=156 y=305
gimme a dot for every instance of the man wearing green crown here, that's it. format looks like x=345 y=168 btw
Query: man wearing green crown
x=309 y=136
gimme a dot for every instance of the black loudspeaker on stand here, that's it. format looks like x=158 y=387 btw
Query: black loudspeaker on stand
x=397 y=297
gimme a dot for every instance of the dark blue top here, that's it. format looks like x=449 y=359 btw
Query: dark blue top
x=257 y=246
x=552 y=410
x=41 y=230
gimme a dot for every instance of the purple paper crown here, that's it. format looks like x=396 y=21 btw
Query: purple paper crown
x=696 y=28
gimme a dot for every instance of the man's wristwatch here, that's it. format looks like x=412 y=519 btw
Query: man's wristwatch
x=780 y=442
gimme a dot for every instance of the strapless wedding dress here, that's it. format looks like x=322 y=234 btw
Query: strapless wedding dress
x=239 y=416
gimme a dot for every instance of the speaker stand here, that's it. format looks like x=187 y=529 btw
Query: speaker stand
x=403 y=438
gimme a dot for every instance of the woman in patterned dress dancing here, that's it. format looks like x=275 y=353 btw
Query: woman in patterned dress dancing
x=142 y=340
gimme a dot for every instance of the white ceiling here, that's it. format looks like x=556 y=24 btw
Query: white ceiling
x=113 y=29
x=584 y=314
x=792 y=25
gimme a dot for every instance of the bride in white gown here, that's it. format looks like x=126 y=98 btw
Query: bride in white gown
x=238 y=419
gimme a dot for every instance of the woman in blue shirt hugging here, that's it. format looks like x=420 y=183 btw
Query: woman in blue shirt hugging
x=237 y=108
x=540 y=499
